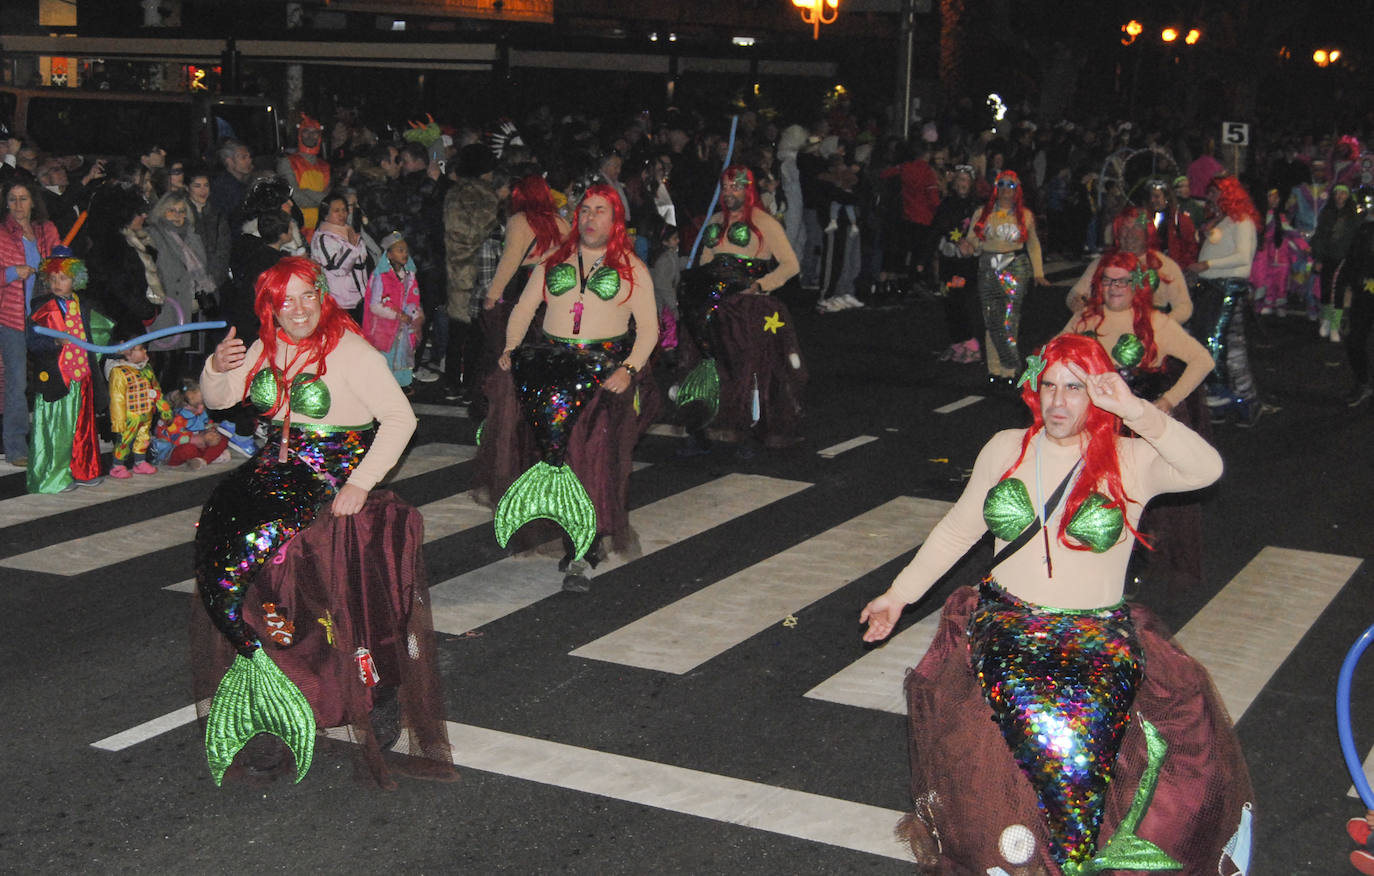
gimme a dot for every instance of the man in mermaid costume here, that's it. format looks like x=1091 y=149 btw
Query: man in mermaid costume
x=572 y=400
x=313 y=583
x=1077 y=738
x=746 y=372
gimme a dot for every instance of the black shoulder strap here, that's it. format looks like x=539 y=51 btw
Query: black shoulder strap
x=1034 y=529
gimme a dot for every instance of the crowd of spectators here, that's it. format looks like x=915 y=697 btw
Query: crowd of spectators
x=173 y=238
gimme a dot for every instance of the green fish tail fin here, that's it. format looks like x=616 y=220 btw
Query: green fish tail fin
x=701 y=385
x=256 y=697
x=551 y=492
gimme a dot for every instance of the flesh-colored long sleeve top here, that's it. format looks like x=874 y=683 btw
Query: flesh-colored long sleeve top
x=1170 y=340
x=361 y=390
x=1166 y=457
x=1228 y=248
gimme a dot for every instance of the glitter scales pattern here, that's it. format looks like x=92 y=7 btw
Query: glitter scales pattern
x=1060 y=685
x=555 y=380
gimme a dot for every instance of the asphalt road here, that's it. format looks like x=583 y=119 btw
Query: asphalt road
x=698 y=730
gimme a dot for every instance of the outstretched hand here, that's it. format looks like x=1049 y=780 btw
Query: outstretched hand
x=1109 y=392
x=881 y=615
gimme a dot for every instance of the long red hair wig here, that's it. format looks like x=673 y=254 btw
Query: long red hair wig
x=271 y=294
x=1233 y=201
x=532 y=197
x=619 y=251
x=1101 y=466
x=1142 y=300
x=980 y=224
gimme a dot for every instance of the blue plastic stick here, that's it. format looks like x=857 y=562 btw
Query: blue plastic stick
x=710 y=211
x=133 y=342
x=1352 y=757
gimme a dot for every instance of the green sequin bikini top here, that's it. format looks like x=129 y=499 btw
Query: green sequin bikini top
x=309 y=396
x=604 y=281
x=1008 y=510
x=738 y=234
x=1127 y=351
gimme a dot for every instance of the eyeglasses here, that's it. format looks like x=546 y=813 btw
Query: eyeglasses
x=964 y=168
x=1117 y=282
x=1007 y=184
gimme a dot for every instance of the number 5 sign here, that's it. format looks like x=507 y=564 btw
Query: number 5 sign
x=1235 y=133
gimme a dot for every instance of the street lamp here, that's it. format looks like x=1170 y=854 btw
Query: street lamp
x=818 y=12
x=1326 y=57
x=1192 y=36
x=1169 y=34
x=1131 y=29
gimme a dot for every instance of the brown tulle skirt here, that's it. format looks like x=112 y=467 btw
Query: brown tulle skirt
x=745 y=349
x=360 y=581
x=971 y=798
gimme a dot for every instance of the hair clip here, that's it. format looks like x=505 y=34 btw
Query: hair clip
x=1034 y=365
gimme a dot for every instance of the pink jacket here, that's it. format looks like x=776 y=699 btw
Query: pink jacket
x=387 y=295
x=12 y=313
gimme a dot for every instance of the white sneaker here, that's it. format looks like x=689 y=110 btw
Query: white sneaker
x=1335 y=335
x=425 y=374
x=828 y=305
x=853 y=230
x=851 y=301
x=832 y=227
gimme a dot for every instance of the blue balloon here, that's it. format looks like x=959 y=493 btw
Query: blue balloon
x=133 y=342
x=1352 y=757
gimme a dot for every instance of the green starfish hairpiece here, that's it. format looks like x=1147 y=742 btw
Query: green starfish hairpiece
x=1034 y=365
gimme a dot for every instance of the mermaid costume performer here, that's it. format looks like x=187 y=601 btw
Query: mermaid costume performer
x=248 y=520
x=555 y=380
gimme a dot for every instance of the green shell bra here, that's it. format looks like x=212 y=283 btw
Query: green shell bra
x=1008 y=510
x=738 y=234
x=309 y=396
x=604 y=281
x=1128 y=350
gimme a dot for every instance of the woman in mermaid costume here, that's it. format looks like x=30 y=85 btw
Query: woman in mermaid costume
x=574 y=400
x=748 y=375
x=315 y=614
x=1056 y=728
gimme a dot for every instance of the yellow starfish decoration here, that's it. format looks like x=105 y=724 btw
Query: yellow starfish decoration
x=773 y=323
x=328 y=623
x=1369 y=285
x=956 y=235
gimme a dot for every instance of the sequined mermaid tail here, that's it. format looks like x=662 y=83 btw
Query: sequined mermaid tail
x=256 y=697
x=702 y=292
x=1060 y=685
x=249 y=519
x=1002 y=282
x=555 y=380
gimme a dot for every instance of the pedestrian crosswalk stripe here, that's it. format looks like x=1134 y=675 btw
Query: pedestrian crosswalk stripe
x=483 y=595
x=1247 y=630
x=147 y=730
x=835 y=450
x=696 y=628
x=961 y=403
x=81 y=555
x=829 y=820
x=22 y=509
x=875 y=681
x=458 y=411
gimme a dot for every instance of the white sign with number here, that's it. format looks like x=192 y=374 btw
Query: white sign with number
x=1235 y=133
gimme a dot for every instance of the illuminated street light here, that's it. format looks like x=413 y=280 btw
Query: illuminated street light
x=1320 y=58
x=1193 y=36
x=1334 y=55
x=818 y=12
x=1169 y=34
x=1131 y=29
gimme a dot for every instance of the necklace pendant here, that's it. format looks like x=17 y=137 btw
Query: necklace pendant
x=577 y=317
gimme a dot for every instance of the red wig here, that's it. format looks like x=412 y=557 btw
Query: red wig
x=271 y=294
x=1142 y=300
x=1137 y=216
x=980 y=224
x=738 y=173
x=1101 y=468
x=619 y=251
x=1233 y=202
x=531 y=196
